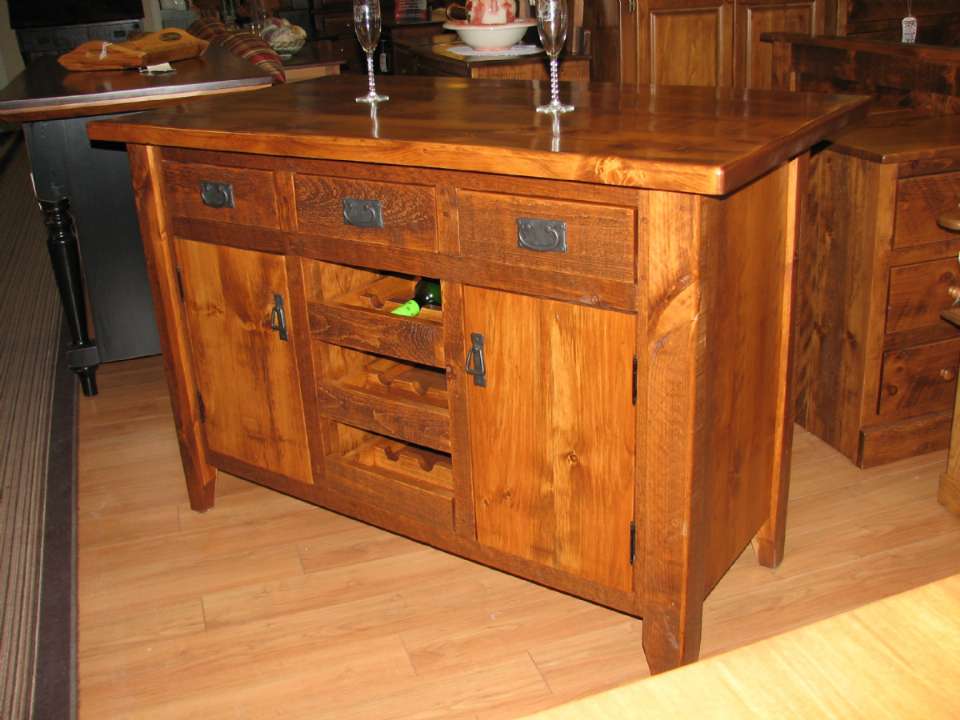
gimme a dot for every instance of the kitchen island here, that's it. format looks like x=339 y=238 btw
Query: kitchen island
x=600 y=404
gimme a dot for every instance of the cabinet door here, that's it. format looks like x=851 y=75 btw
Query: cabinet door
x=685 y=42
x=552 y=433
x=247 y=375
x=754 y=58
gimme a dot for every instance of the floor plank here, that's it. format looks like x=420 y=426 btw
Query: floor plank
x=269 y=607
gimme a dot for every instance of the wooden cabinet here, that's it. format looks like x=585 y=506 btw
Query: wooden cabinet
x=599 y=405
x=708 y=42
x=557 y=397
x=248 y=384
x=877 y=366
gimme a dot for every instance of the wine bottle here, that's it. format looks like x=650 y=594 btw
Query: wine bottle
x=427 y=293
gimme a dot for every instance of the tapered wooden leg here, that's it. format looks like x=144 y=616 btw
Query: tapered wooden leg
x=769 y=540
x=201 y=493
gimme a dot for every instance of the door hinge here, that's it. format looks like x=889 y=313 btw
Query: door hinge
x=180 y=285
x=633 y=382
x=201 y=408
x=633 y=541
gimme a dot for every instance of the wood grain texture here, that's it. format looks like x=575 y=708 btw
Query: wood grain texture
x=920 y=77
x=842 y=275
x=255 y=202
x=408 y=211
x=754 y=58
x=683 y=139
x=674 y=521
x=884 y=443
x=599 y=239
x=848 y=659
x=920 y=201
x=145 y=172
x=247 y=375
x=290 y=606
x=555 y=384
x=919 y=379
x=363 y=320
x=920 y=292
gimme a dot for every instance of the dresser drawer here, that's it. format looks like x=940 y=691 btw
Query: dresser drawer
x=211 y=192
x=563 y=236
x=919 y=201
x=383 y=213
x=919 y=292
x=918 y=380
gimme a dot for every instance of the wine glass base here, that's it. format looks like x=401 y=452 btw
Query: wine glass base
x=371 y=98
x=555 y=108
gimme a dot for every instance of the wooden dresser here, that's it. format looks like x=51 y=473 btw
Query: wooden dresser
x=876 y=365
x=601 y=403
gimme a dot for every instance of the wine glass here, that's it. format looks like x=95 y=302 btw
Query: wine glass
x=366 y=23
x=552 y=25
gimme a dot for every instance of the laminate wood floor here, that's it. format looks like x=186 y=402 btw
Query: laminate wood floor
x=267 y=607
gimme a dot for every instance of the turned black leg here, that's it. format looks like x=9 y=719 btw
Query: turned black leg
x=82 y=356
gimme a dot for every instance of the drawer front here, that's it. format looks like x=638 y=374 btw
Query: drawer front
x=381 y=213
x=919 y=292
x=338 y=24
x=919 y=201
x=919 y=380
x=556 y=235
x=212 y=192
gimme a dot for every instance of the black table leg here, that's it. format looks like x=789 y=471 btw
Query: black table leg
x=82 y=357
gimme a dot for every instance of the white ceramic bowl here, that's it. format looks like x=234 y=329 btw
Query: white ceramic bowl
x=490 y=37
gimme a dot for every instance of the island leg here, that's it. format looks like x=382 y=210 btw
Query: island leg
x=158 y=250
x=45 y=145
x=770 y=539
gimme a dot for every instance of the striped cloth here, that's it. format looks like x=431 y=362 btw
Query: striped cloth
x=243 y=44
x=30 y=332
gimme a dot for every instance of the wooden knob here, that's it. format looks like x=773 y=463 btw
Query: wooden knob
x=954 y=292
x=950 y=220
x=947 y=374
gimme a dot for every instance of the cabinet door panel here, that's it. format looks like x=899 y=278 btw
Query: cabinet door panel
x=686 y=42
x=246 y=374
x=552 y=434
x=754 y=58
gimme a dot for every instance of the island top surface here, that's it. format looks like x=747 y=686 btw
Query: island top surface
x=899 y=137
x=46 y=90
x=686 y=139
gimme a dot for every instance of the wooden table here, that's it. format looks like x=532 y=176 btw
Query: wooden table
x=600 y=405
x=425 y=58
x=84 y=191
x=895 y=658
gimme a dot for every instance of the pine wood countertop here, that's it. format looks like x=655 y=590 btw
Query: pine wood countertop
x=686 y=139
x=894 y=658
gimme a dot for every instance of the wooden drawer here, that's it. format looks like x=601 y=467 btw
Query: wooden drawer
x=600 y=240
x=919 y=292
x=211 y=192
x=339 y=208
x=919 y=379
x=919 y=201
x=337 y=24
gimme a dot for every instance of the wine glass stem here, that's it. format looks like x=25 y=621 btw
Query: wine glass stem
x=371 y=82
x=554 y=82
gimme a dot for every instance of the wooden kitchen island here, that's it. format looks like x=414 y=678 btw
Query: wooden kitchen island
x=600 y=405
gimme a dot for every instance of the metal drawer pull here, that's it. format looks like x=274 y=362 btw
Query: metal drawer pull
x=954 y=292
x=474 y=364
x=362 y=213
x=216 y=195
x=947 y=374
x=950 y=220
x=278 y=317
x=542 y=235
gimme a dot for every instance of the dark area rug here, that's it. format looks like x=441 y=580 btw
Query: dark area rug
x=37 y=464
